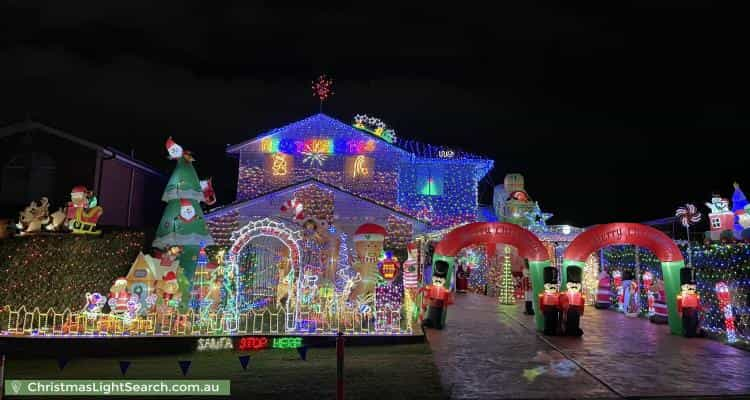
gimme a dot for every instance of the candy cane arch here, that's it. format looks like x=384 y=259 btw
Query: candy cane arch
x=634 y=234
x=722 y=292
x=528 y=245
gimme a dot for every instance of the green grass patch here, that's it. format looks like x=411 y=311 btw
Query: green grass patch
x=371 y=372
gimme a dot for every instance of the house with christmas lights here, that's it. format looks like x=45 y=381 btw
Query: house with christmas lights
x=350 y=174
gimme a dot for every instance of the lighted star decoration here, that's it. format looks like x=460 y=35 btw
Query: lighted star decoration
x=313 y=155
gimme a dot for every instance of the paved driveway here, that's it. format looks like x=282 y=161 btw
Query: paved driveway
x=488 y=351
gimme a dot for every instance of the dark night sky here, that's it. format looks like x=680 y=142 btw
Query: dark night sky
x=610 y=113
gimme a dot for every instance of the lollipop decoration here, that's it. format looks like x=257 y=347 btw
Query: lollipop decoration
x=322 y=89
x=689 y=215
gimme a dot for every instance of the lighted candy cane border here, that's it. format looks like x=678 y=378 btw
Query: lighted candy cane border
x=270 y=228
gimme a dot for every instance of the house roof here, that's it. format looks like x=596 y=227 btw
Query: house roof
x=26 y=126
x=245 y=203
x=316 y=120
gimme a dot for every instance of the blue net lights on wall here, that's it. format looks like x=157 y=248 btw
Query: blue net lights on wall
x=433 y=183
x=723 y=264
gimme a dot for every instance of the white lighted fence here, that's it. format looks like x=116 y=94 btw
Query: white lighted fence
x=267 y=321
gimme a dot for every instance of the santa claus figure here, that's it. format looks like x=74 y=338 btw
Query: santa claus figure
x=688 y=303
x=118 y=296
x=572 y=301
x=603 y=292
x=368 y=246
x=209 y=195
x=83 y=212
x=174 y=149
x=462 y=278
x=660 y=303
x=187 y=211
x=549 y=302
x=437 y=297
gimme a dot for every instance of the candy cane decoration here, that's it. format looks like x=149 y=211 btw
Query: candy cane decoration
x=722 y=292
x=688 y=215
x=294 y=207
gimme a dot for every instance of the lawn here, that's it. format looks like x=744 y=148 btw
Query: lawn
x=372 y=372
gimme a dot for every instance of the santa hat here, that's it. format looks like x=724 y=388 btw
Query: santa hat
x=185 y=203
x=170 y=276
x=170 y=143
x=370 y=232
x=79 y=189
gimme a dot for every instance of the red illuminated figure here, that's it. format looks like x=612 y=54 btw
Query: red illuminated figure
x=688 y=303
x=462 y=278
x=549 y=302
x=722 y=293
x=437 y=297
x=572 y=302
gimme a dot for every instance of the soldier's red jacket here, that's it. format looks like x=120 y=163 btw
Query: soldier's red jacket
x=688 y=301
x=549 y=300
x=439 y=296
x=574 y=300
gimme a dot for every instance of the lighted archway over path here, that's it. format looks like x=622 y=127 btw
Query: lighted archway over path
x=635 y=234
x=528 y=245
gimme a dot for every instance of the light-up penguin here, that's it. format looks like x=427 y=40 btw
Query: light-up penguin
x=439 y=296
x=94 y=304
x=688 y=303
x=572 y=301
x=549 y=301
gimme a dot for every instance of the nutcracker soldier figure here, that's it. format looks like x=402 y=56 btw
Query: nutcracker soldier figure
x=549 y=301
x=528 y=294
x=572 y=302
x=437 y=297
x=688 y=303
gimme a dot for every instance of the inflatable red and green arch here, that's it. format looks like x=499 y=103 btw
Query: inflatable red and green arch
x=528 y=245
x=634 y=234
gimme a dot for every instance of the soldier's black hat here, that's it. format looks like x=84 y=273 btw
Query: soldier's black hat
x=628 y=276
x=550 y=275
x=440 y=269
x=574 y=274
x=687 y=276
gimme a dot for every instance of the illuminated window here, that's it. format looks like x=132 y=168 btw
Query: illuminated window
x=429 y=181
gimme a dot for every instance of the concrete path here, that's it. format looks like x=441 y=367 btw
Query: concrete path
x=488 y=351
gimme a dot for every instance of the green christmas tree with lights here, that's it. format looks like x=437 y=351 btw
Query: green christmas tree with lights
x=182 y=223
x=506 y=280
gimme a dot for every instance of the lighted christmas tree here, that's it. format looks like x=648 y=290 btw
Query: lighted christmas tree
x=182 y=223
x=506 y=281
x=201 y=282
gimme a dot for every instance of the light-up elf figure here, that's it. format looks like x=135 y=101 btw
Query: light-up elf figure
x=688 y=303
x=437 y=296
x=572 y=302
x=549 y=301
